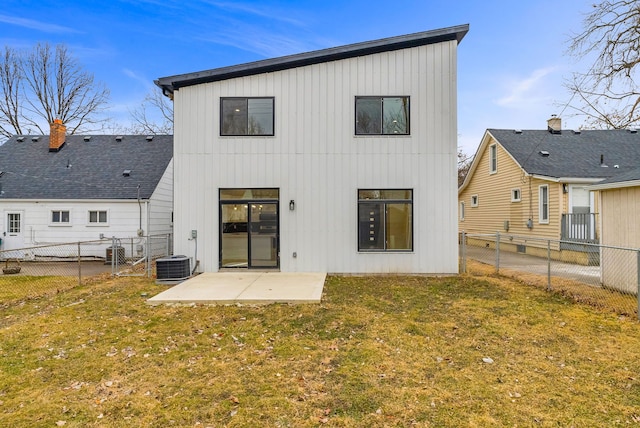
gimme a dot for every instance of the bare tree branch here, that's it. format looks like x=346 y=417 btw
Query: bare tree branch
x=10 y=93
x=153 y=116
x=607 y=95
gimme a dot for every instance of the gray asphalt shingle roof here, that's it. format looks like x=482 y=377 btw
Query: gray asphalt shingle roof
x=572 y=154
x=82 y=169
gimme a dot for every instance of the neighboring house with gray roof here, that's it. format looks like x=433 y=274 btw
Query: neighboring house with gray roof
x=61 y=188
x=619 y=201
x=536 y=183
x=339 y=160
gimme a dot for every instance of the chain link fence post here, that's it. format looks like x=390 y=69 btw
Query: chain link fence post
x=79 y=265
x=463 y=238
x=638 y=275
x=548 y=264
x=497 y=252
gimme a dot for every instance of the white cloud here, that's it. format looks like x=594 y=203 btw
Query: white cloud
x=36 y=25
x=528 y=89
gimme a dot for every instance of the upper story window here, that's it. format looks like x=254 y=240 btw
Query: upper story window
x=246 y=116
x=474 y=200
x=462 y=211
x=515 y=195
x=493 y=158
x=60 y=217
x=382 y=115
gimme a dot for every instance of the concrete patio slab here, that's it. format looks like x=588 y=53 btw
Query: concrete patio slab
x=246 y=287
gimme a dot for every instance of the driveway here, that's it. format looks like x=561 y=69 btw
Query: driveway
x=537 y=265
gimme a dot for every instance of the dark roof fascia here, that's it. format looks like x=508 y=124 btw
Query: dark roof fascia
x=172 y=83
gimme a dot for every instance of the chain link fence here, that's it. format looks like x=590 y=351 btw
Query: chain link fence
x=47 y=269
x=602 y=276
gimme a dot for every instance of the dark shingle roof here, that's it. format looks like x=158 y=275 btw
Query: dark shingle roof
x=171 y=83
x=83 y=169
x=572 y=154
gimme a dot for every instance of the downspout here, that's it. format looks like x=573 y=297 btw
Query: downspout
x=139 y=213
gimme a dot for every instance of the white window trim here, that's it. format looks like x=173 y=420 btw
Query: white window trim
x=541 y=212
x=461 y=210
x=97 y=224
x=59 y=223
x=513 y=198
x=475 y=201
x=493 y=153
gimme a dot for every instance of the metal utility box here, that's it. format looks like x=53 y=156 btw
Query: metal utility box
x=119 y=252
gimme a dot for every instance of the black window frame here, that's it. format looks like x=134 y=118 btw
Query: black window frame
x=382 y=203
x=381 y=99
x=233 y=133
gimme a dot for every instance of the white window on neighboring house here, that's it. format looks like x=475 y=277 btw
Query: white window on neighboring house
x=98 y=217
x=515 y=195
x=493 y=158
x=462 y=211
x=60 y=217
x=543 y=204
x=474 y=200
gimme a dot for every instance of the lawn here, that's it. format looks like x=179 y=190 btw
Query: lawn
x=377 y=352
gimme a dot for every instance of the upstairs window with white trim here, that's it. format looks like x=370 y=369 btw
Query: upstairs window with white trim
x=516 y=195
x=60 y=217
x=246 y=116
x=474 y=200
x=462 y=211
x=543 y=204
x=98 y=218
x=493 y=158
x=382 y=115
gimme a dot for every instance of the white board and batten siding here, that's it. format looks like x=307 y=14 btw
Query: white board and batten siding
x=316 y=160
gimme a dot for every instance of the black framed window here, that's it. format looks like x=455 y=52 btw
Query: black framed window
x=382 y=115
x=246 y=116
x=385 y=220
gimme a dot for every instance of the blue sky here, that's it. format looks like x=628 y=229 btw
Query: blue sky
x=511 y=64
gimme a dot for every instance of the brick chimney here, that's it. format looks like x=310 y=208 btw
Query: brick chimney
x=554 y=125
x=57 y=135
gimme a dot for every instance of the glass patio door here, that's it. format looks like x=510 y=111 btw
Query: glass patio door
x=249 y=228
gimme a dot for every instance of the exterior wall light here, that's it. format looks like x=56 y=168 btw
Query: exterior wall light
x=292 y=205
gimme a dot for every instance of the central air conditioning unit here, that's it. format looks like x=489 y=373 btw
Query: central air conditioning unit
x=120 y=257
x=172 y=269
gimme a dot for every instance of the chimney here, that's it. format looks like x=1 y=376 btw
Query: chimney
x=554 y=125
x=57 y=135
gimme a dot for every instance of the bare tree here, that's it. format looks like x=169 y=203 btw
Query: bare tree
x=10 y=76
x=607 y=95
x=154 y=115
x=44 y=84
x=464 y=164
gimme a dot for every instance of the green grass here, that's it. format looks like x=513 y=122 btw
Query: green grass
x=377 y=352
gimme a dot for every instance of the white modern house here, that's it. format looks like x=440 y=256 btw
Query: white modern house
x=341 y=160
x=62 y=188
